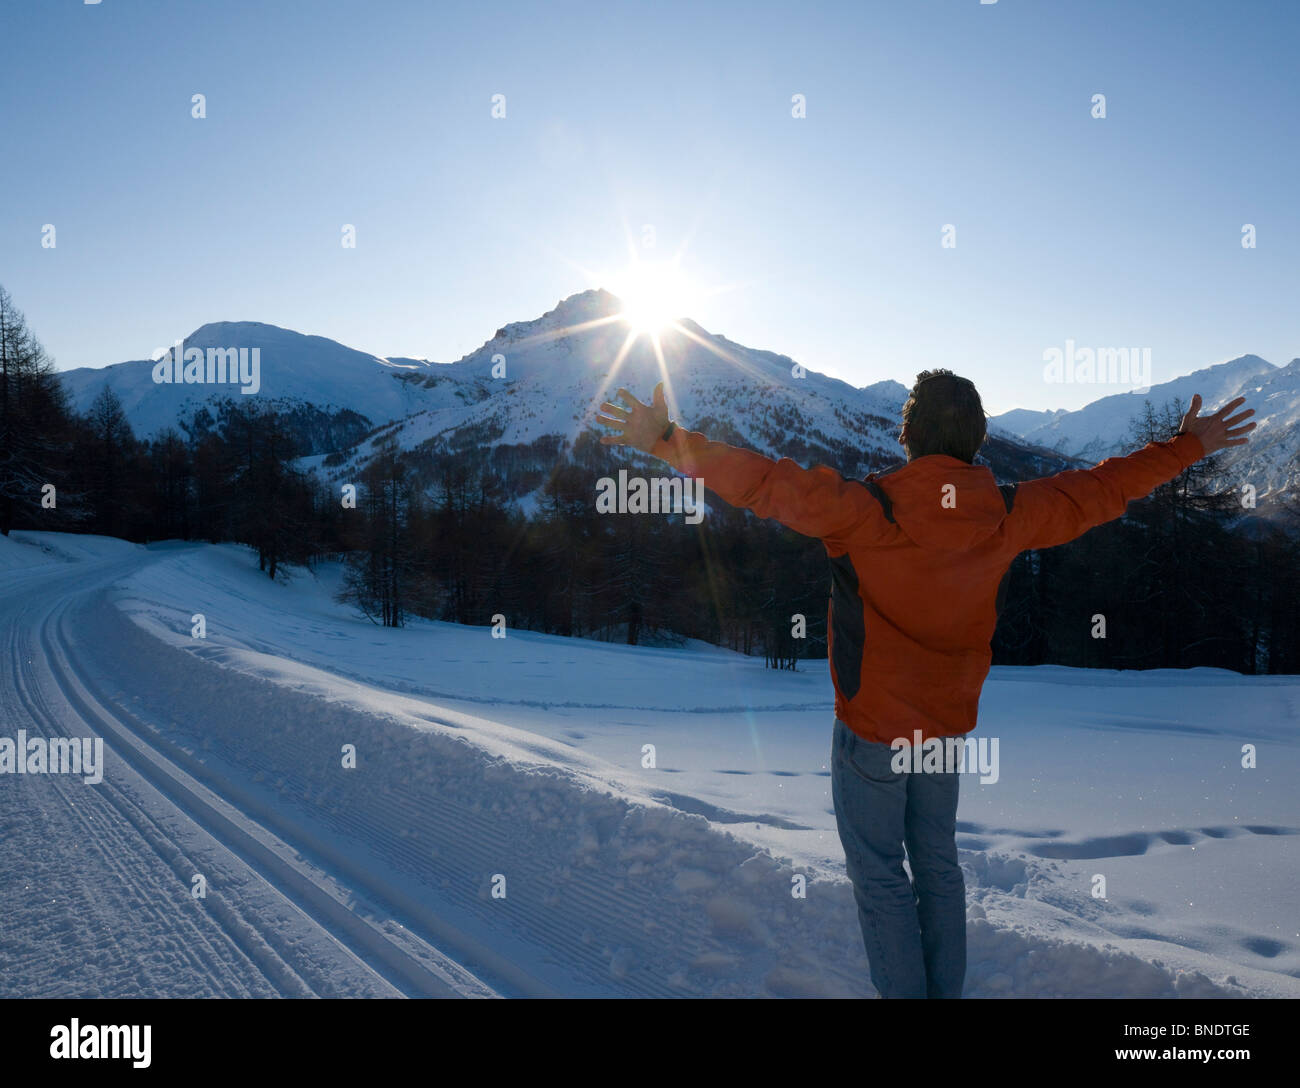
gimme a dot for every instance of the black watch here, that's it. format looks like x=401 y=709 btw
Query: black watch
x=668 y=432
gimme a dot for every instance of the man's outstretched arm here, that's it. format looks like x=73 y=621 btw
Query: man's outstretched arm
x=817 y=502
x=1056 y=509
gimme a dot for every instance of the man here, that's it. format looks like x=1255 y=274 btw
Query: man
x=918 y=556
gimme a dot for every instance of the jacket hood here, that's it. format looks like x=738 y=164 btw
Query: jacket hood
x=943 y=503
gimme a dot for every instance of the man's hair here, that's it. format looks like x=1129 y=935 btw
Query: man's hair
x=943 y=414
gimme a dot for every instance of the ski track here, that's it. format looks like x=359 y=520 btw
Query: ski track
x=125 y=867
x=122 y=872
x=377 y=881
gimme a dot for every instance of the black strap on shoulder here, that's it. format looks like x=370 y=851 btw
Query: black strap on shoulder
x=1008 y=495
x=881 y=497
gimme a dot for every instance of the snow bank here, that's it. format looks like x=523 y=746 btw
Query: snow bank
x=21 y=549
x=615 y=885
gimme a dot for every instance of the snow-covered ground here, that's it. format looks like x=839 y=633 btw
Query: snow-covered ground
x=517 y=766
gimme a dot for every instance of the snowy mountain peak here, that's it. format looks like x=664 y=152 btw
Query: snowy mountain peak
x=1242 y=364
x=888 y=391
x=1104 y=427
x=288 y=346
x=229 y=332
x=569 y=313
x=294 y=369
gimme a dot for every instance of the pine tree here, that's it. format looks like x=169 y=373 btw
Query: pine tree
x=34 y=422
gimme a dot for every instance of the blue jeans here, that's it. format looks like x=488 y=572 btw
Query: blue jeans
x=914 y=930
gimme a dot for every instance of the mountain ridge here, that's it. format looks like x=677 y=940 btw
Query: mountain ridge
x=548 y=375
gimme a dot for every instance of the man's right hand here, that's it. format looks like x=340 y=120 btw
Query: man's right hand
x=1218 y=432
x=639 y=426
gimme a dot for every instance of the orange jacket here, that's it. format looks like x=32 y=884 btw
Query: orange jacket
x=918 y=556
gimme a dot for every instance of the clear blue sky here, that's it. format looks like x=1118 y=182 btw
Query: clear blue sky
x=1117 y=232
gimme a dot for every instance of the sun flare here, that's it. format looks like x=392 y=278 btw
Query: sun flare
x=654 y=296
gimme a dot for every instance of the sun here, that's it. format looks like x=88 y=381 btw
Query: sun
x=654 y=295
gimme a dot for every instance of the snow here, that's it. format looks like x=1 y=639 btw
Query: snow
x=21 y=550
x=523 y=757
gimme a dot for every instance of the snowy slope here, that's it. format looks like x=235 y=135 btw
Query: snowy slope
x=1020 y=422
x=559 y=368
x=524 y=756
x=1271 y=461
x=295 y=368
x=97 y=889
x=20 y=551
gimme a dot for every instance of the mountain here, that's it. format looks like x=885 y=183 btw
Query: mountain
x=1102 y=427
x=327 y=386
x=1270 y=461
x=556 y=370
x=533 y=380
x=537 y=385
x=1021 y=421
x=553 y=370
